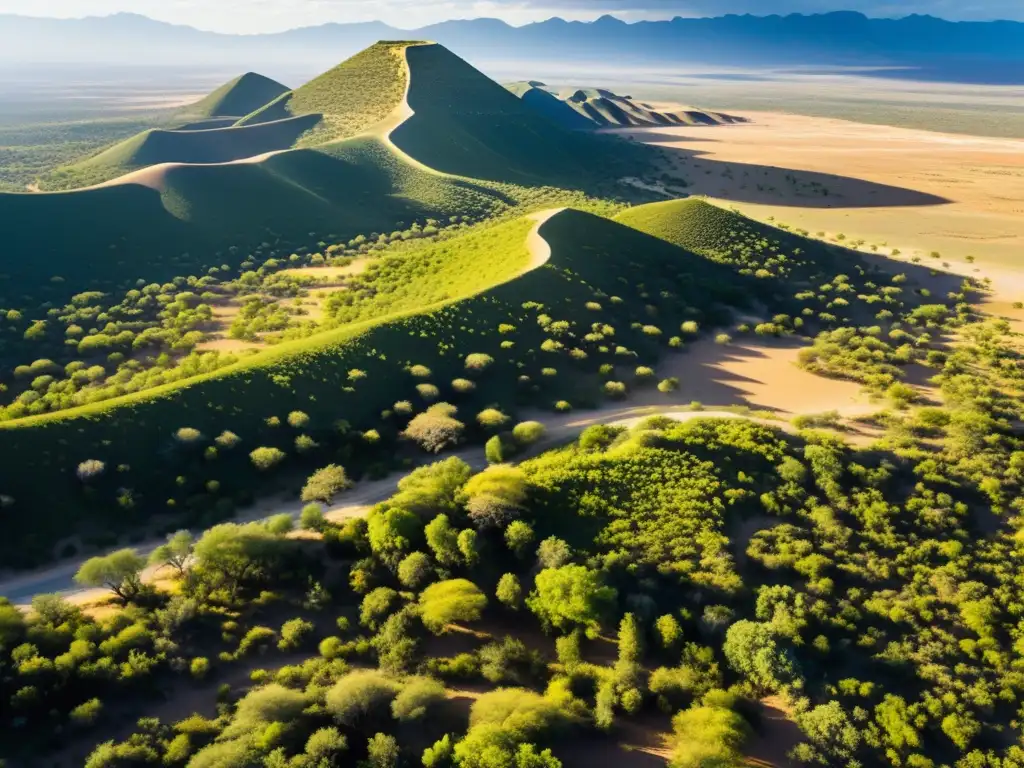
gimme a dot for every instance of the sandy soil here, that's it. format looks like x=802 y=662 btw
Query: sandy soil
x=914 y=190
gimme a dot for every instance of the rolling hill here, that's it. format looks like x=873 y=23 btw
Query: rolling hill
x=348 y=99
x=202 y=191
x=237 y=98
x=579 y=108
x=196 y=145
x=592 y=259
x=177 y=219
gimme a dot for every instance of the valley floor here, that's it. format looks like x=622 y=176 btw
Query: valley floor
x=764 y=168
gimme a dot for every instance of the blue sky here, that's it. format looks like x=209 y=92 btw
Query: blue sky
x=273 y=15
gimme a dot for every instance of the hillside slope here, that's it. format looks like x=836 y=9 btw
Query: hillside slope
x=592 y=259
x=169 y=220
x=216 y=145
x=237 y=98
x=465 y=123
x=536 y=96
x=350 y=98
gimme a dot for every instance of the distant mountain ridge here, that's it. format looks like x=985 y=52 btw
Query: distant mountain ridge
x=840 y=38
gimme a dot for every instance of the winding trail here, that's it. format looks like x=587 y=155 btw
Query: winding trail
x=561 y=429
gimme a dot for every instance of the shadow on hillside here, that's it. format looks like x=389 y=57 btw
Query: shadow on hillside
x=700 y=174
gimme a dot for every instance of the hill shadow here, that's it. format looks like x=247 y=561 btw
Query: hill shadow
x=696 y=172
x=768 y=184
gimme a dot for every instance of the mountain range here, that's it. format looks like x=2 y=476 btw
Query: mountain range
x=840 y=39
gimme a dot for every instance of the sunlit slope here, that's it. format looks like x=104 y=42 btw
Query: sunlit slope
x=172 y=218
x=467 y=124
x=349 y=99
x=239 y=97
x=592 y=260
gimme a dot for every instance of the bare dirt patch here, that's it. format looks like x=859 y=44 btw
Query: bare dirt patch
x=775 y=736
x=762 y=375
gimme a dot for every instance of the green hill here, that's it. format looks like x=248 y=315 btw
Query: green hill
x=218 y=145
x=354 y=96
x=535 y=95
x=464 y=123
x=356 y=373
x=237 y=98
x=56 y=245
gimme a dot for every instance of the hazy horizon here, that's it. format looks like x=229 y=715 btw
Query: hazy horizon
x=272 y=16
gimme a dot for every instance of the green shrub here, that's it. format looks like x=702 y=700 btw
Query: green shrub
x=324 y=484
x=449 y=601
x=360 y=697
x=668 y=385
x=528 y=432
x=264 y=458
x=86 y=713
x=200 y=667
x=418 y=697
x=491 y=418
x=293 y=634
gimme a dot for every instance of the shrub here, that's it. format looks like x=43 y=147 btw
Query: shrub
x=708 y=735
x=415 y=570
x=417 y=697
x=569 y=596
x=615 y=389
x=188 y=435
x=359 y=697
x=670 y=384
x=200 y=667
x=420 y=371
x=293 y=633
x=428 y=392
x=690 y=328
x=376 y=605
x=89 y=469
x=298 y=419
x=643 y=373
x=312 y=518
x=260 y=707
x=257 y=638
x=448 y=601
x=324 y=484
x=463 y=386
x=509 y=592
x=227 y=439
x=325 y=745
x=563 y=406
x=478 y=361
x=495 y=495
x=519 y=536
x=86 y=713
x=266 y=458
x=382 y=751
x=435 y=429
x=331 y=648
x=723 y=338
x=491 y=418
x=498 y=449
x=553 y=552
x=528 y=432
x=402 y=407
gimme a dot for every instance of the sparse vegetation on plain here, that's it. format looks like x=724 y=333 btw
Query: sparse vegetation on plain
x=563 y=580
